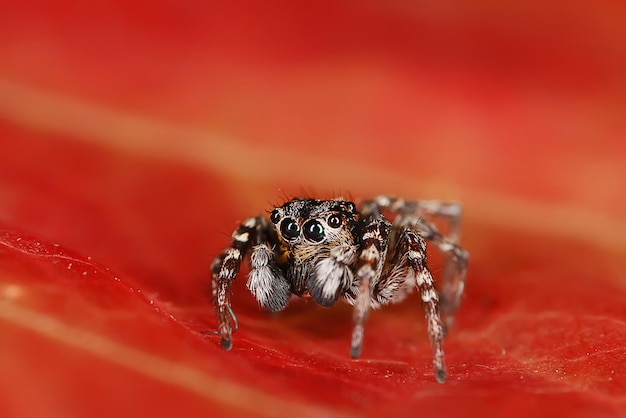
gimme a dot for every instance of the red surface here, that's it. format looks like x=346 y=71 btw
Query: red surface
x=135 y=136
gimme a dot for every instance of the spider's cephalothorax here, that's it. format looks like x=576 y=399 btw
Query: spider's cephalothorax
x=327 y=249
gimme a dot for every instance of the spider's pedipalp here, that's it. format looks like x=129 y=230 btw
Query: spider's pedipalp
x=369 y=269
x=332 y=275
x=266 y=280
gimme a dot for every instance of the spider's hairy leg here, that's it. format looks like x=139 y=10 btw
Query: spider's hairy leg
x=450 y=211
x=413 y=247
x=369 y=268
x=456 y=258
x=224 y=270
x=454 y=272
x=420 y=213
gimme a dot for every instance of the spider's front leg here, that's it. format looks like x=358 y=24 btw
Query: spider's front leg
x=225 y=268
x=266 y=280
x=368 y=272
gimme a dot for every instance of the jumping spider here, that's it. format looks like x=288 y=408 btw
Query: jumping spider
x=327 y=249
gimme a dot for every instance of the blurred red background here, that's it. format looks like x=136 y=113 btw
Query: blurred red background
x=134 y=136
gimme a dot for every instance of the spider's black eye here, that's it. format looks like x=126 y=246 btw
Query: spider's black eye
x=314 y=231
x=275 y=216
x=334 y=221
x=290 y=229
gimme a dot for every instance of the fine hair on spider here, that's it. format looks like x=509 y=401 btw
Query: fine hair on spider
x=330 y=249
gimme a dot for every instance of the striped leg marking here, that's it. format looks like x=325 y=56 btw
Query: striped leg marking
x=454 y=273
x=414 y=249
x=370 y=265
x=225 y=268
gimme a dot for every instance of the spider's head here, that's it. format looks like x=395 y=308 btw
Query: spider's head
x=312 y=223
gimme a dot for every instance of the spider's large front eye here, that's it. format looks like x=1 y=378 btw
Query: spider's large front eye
x=334 y=221
x=313 y=231
x=289 y=229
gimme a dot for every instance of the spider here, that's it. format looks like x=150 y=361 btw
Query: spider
x=329 y=249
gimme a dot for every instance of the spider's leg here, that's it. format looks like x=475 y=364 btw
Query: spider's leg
x=368 y=271
x=419 y=214
x=224 y=270
x=411 y=252
x=455 y=269
x=430 y=209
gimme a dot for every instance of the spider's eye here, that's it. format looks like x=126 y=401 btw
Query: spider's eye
x=289 y=229
x=314 y=231
x=275 y=216
x=351 y=206
x=334 y=221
